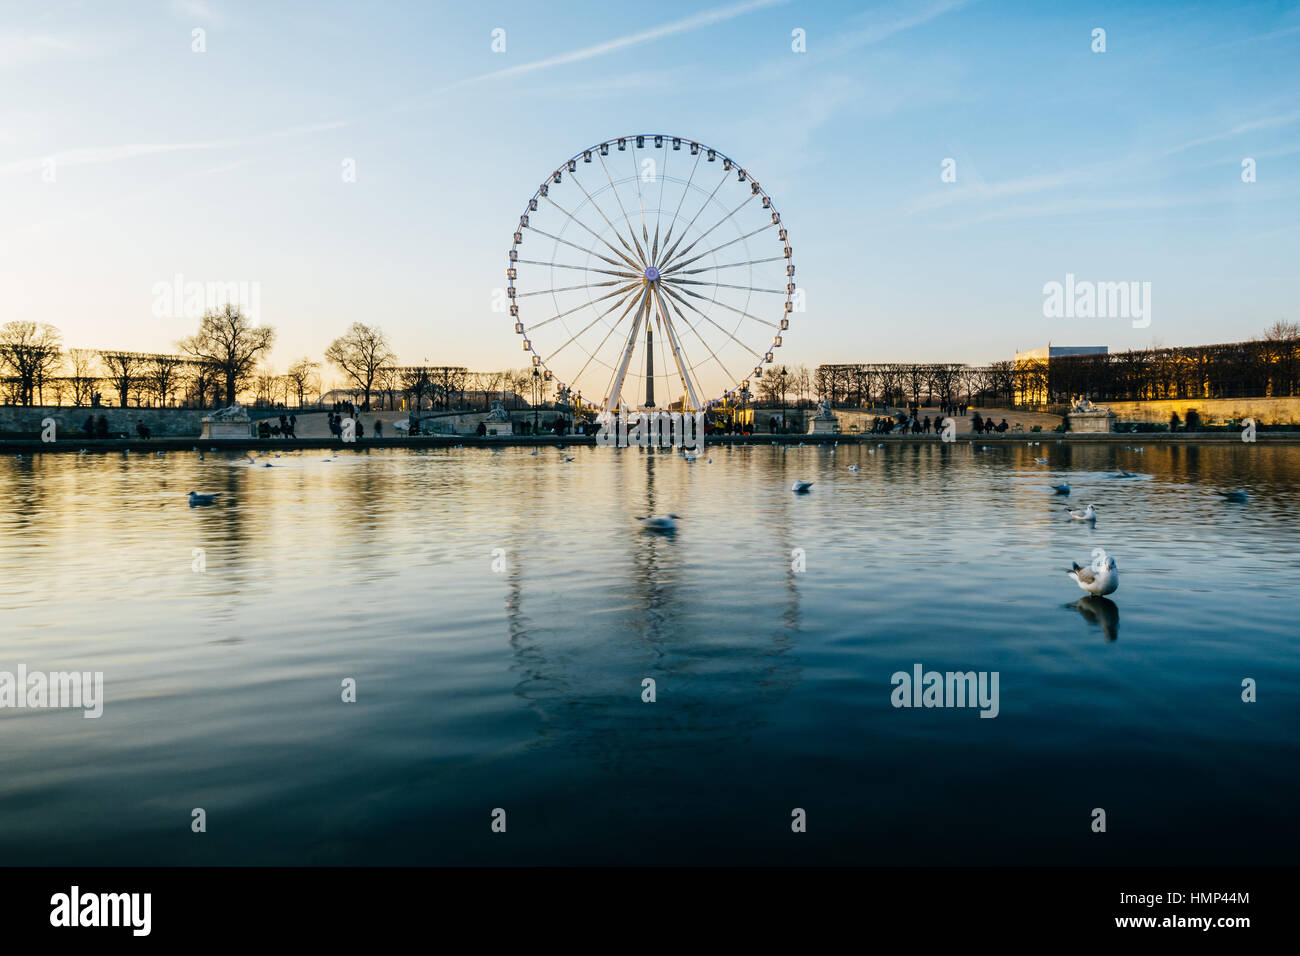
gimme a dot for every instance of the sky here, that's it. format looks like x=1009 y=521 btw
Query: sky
x=128 y=159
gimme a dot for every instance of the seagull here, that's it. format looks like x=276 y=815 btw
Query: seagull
x=1062 y=489
x=871 y=451
x=801 y=486
x=1088 y=514
x=268 y=465
x=659 y=524
x=1237 y=496
x=567 y=458
x=1124 y=474
x=161 y=453
x=533 y=453
x=1101 y=578
x=853 y=467
x=198 y=499
x=1041 y=461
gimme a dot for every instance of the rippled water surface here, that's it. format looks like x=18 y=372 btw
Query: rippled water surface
x=522 y=689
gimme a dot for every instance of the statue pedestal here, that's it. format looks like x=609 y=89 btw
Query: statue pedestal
x=1093 y=421
x=226 y=430
x=232 y=422
x=498 y=429
x=824 y=426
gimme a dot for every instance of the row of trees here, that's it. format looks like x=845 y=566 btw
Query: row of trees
x=909 y=383
x=220 y=358
x=1265 y=367
x=224 y=359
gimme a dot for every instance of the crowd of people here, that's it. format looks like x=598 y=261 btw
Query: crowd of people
x=905 y=423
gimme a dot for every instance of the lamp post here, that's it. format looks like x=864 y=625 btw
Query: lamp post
x=537 y=384
x=783 y=422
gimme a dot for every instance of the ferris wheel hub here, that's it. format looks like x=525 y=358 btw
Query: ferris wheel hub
x=651 y=274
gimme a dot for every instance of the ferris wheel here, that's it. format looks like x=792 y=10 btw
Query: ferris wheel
x=650 y=271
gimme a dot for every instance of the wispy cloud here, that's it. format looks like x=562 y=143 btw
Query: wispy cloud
x=98 y=155
x=687 y=25
x=873 y=27
x=1267 y=122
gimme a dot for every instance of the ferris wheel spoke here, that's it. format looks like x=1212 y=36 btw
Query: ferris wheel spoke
x=565 y=265
x=574 y=337
x=669 y=270
x=617 y=198
x=612 y=329
x=708 y=318
x=575 y=246
x=729 y=265
x=567 y=288
x=583 y=305
x=731 y=308
x=679 y=353
x=700 y=238
x=685 y=189
x=708 y=348
x=639 y=198
x=598 y=237
x=669 y=254
x=620 y=372
x=723 y=285
x=595 y=205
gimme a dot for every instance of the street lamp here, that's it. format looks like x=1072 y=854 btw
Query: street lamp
x=783 y=424
x=537 y=384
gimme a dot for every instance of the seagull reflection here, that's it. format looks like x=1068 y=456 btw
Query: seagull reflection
x=1099 y=611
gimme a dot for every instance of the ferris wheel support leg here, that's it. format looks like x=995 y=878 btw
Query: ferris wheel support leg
x=677 y=353
x=616 y=387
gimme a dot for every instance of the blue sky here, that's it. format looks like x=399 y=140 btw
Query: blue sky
x=226 y=165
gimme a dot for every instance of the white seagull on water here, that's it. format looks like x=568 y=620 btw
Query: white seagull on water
x=801 y=486
x=198 y=499
x=1102 y=577
x=1062 y=489
x=1087 y=514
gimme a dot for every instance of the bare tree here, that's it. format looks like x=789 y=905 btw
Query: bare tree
x=360 y=353
x=229 y=342
x=82 y=366
x=300 y=376
x=124 y=370
x=163 y=372
x=30 y=352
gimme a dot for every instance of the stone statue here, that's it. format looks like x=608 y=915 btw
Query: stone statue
x=824 y=413
x=498 y=413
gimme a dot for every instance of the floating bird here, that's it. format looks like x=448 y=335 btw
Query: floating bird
x=1041 y=461
x=1062 y=489
x=853 y=467
x=1124 y=474
x=533 y=453
x=161 y=453
x=871 y=451
x=1237 y=496
x=567 y=458
x=82 y=451
x=268 y=465
x=801 y=486
x=659 y=524
x=1101 y=578
x=198 y=499
x=1087 y=514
